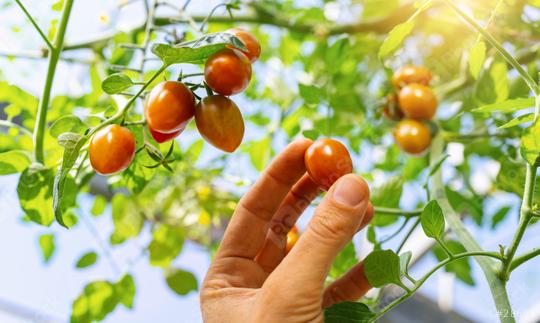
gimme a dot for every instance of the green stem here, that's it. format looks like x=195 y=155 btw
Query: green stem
x=518 y=261
x=392 y=211
x=36 y=26
x=525 y=218
x=421 y=281
x=54 y=56
x=507 y=56
x=445 y=248
x=408 y=235
x=497 y=287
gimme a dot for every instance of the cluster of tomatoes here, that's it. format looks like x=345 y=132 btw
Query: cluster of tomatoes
x=171 y=105
x=413 y=105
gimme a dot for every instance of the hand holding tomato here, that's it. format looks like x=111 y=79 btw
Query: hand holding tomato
x=326 y=161
x=246 y=281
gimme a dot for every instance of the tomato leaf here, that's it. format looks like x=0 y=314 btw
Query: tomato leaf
x=492 y=85
x=530 y=144
x=69 y=123
x=167 y=242
x=508 y=106
x=404 y=261
x=382 y=267
x=477 y=56
x=13 y=161
x=348 y=312
x=518 y=120
x=197 y=51
x=35 y=194
x=344 y=261
x=432 y=220
x=125 y=290
x=100 y=203
x=461 y=267
x=387 y=195
x=116 y=83
x=180 y=281
x=72 y=143
x=395 y=39
x=47 y=245
x=87 y=260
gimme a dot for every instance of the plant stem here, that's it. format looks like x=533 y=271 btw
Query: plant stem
x=506 y=55
x=392 y=211
x=408 y=235
x=36 y=26
x=422 y=280
x=496 y=285
x=54 y=56
x=9 y=124
x=524 y=219
x=518 y=261
x=445 y=248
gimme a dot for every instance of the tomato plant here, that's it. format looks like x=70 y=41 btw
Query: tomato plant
x=442 y=122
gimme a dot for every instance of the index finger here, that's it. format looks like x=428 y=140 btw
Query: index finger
x=247 y=230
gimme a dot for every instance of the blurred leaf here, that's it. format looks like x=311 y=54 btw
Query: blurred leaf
x=13 y=161
x=461 y=267
x=116 y=83
x=382 y=268
x=35 y=194
x=47 y=245
x=404 y=260
x=530 y=144
x=518 y=120
x=387 y=195
x=492 y=85
x=260 y=152
x=344 y=261
x=69 y=124
x=194 y=151
x=96 y=301
x=311 y=134
x=499 y=216
x=180 y=281
x=395 y=39
x=310 y=93
x=166 y=245
x=348 y=312
x=127 y=217
x=432 y=220
x=100 y=203
x=477 y=56
x=468 y=205
x=125 y=290
x=507 y=106
x=87 y=260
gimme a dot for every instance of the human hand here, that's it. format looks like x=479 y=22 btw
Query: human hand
x=251 y=278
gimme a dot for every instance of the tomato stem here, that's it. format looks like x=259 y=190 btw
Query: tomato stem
x=36 y=26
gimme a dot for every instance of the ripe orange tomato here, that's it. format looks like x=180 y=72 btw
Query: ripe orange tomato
x=220 y=122
x=252 y=44
x=327 y=160
x=411 y=74
x=292 y=238
x=111 y=149
x=163 y=137
x=227 y=72
x=391 y=109
x=169 y=107
x=418 y=102
x=412 y=136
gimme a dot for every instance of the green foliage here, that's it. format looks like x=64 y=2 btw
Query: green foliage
x=87 y=260
x=432 y=220
x=166 y=244
x=13 y=161
x=462 y=267
x=530 y=144
x=388 y=195
x=116 y=83
x=395 y=39
x=344 y=261
x=47 y=245
x=382 y=267
x=35 y=194
x=180 y=281
x=348 y=312
x=477 y=56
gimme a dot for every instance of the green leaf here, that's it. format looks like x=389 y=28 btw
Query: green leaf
x=260 y=152
x=14 y=161
x=348 y=312
x=310 y=93
x=69 y=124
x=461 y=267
x=35 y=194
x=492 y=85
x=508 y=106
x=87 y=260
x=180 y=281
x=529 y=117
x=72 y=143
x=47 y=245
x=387 y=195
x=100 y=203
x=433 y=169
x=432 y=220
x=404 y=261
x=530 y=144
x=344 y=261
x=96 y=301
x=197 y=51
x=382 y=267
x=499 y=216
x=127 y=217
x=125 y=290
x=193 y=152
x=311 y=134
x=166 y=245
x=395 y=39
x=477 y=56
x=116 y=83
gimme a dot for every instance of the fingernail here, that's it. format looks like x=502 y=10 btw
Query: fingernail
x=349 y=190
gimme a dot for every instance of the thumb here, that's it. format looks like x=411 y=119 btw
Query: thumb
x=334 y=223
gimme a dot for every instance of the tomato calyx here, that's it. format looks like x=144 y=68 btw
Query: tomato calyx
x=160 y=159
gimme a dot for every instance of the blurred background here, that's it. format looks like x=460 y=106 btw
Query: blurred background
x=308 y=82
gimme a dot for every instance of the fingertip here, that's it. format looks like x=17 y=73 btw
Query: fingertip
x=350 y=190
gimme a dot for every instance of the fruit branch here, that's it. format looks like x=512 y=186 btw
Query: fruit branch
x=408 y=235
x=506 y=55
x=518 y=261
x=392 y=211
x=36 y=26
x=54 y=56
x=422 y=280
x=497 y=286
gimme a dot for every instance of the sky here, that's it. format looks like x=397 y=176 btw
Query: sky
x=50 y=289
